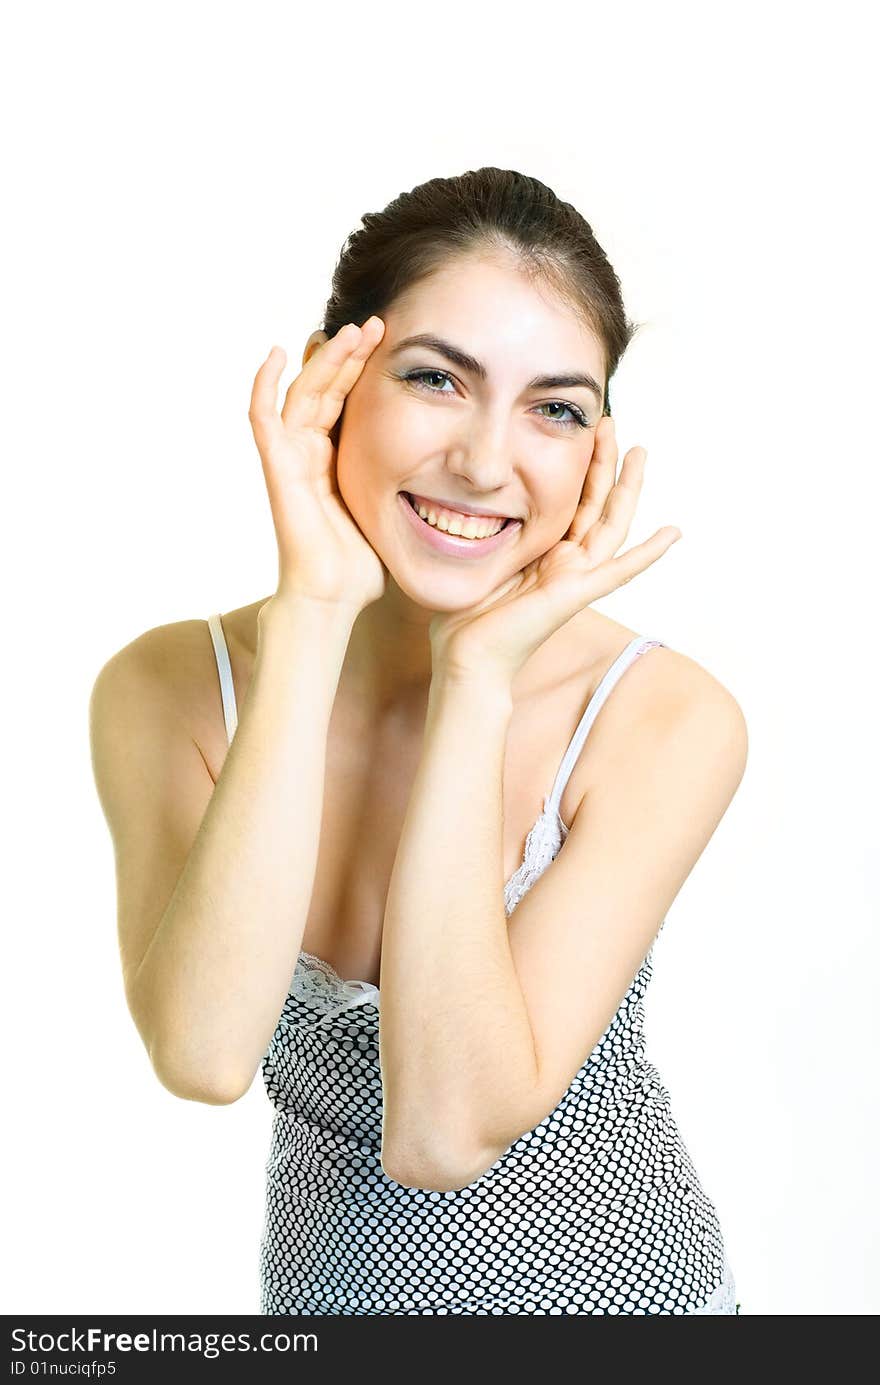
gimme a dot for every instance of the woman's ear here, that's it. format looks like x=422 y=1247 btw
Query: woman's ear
x=315 y=340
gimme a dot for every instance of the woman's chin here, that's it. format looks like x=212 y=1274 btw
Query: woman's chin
x=443 y=593
x=441 y=582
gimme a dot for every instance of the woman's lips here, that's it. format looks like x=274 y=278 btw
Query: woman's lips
x=450 y=544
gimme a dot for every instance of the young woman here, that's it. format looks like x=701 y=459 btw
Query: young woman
x=424 y=766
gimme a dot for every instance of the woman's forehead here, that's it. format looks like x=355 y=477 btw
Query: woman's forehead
x=492 y=303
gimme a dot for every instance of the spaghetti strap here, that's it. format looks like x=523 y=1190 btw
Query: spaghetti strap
x=637 y=645
x=224 y=669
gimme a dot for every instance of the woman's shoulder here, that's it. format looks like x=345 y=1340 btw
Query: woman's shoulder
x=682 y=674
x=591 y=643
x=664 y=692
x=175 y=662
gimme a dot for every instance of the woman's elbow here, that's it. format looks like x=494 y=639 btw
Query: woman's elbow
x=432 y=1176
x=202 y=1087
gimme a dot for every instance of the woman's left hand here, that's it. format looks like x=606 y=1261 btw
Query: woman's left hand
x=495 y=638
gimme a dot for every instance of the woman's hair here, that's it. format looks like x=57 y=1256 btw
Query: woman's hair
x=487 y=210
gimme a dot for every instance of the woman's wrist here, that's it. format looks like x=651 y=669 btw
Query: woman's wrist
x=283 y=612
x=478 y=688
x=296 y=633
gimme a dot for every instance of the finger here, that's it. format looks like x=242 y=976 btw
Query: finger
x=612 y=528
x=263 y=411
x=582 y=582
x=599 y=480
x=616 y=572
x=316 y=396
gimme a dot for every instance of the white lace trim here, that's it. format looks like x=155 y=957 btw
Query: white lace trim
x=318 y=987
x=542 y=846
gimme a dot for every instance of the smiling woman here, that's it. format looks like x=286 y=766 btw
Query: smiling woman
x=440 y=763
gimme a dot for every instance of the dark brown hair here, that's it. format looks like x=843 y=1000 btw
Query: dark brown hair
x=487 y=210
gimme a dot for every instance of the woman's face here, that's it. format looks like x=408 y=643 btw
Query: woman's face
x=420 y=423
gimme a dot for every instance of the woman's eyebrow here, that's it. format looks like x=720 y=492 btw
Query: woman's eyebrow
x=561 y=380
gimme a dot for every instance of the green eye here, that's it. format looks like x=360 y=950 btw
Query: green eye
x=578 y=418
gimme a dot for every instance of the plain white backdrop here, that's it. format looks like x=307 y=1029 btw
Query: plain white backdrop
x=179 y=181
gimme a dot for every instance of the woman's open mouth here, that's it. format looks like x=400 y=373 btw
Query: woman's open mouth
x=485 y=539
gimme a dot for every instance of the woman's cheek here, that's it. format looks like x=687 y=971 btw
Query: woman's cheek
x=347 y=478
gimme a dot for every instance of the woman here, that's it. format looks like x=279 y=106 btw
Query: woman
x=358 y=807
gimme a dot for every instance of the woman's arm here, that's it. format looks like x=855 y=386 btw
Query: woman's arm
x=207 y=966
x=485 y=1021
x=453 y=1021
x=208 y=989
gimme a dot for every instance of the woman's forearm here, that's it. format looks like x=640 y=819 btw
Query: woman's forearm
x=454 y=1032
x=212 y=984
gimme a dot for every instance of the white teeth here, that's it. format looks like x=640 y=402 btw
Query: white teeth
x=462 y=528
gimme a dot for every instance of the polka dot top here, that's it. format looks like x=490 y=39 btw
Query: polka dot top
x=598 y=1209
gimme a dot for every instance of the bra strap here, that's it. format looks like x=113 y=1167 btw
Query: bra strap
x=638 y=645
x=224 y=669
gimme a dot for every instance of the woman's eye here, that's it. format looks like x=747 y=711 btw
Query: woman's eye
x=577 y=420
x=420 y=379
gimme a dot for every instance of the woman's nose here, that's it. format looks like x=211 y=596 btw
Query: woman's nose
x=484 y=458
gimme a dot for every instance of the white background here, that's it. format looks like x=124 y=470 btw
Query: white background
x=179 y=181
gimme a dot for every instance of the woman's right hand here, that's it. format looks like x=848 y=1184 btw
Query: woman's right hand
x=322 y=554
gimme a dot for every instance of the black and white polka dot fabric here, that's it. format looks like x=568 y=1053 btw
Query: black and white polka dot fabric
x=596 y=1210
